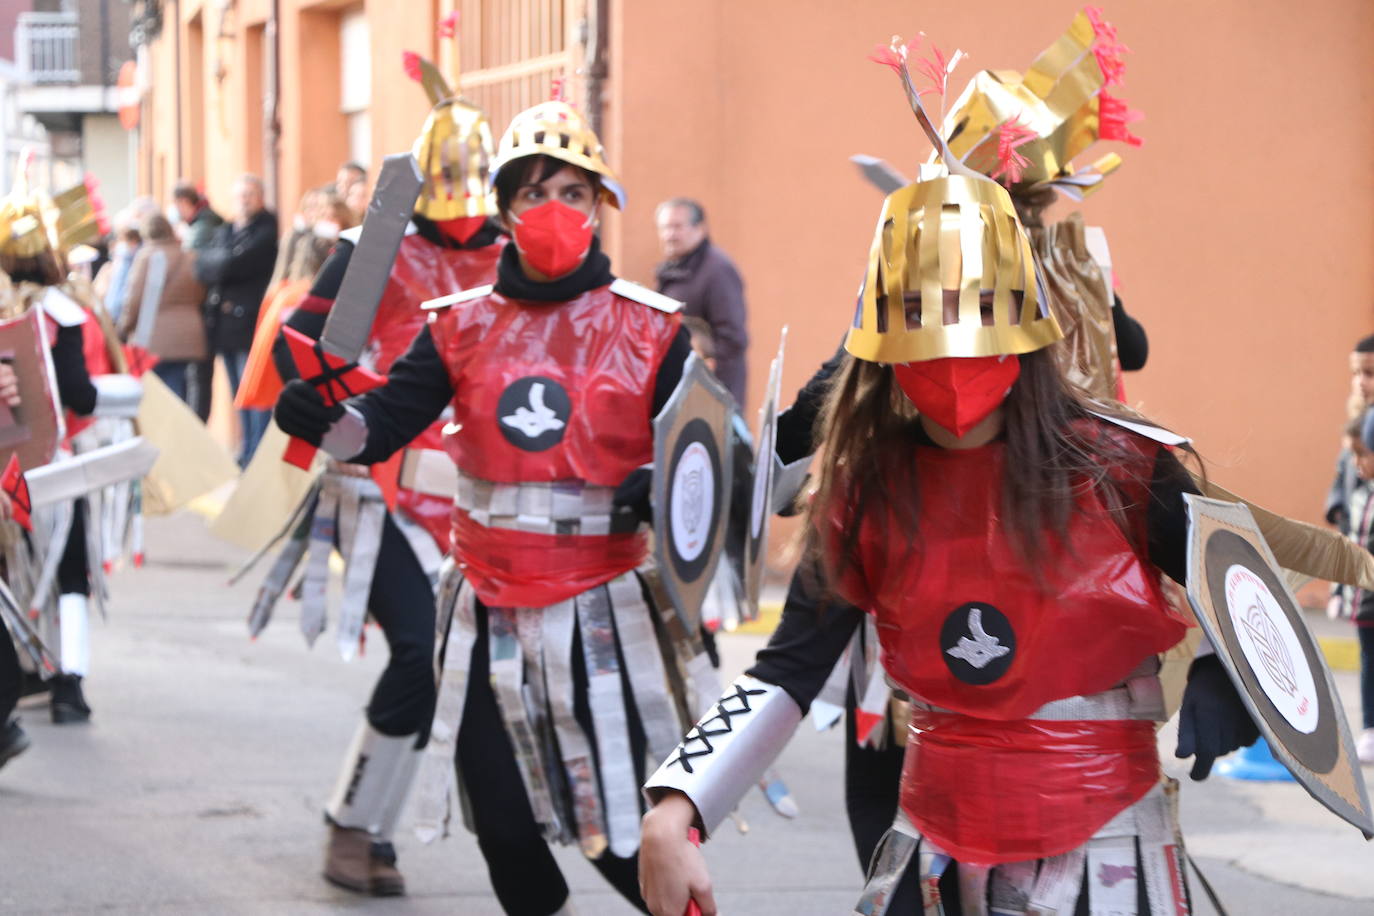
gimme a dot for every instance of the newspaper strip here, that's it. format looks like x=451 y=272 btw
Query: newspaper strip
x=323 y=531
x=1112 y=876
x=1009 y=890
x=436 y=780
x=890 y=862
x=507 y=672
x=368 y=516
x=1058 y=885
x=578 y=763
x=619 y=781
x=644 y=665
x=279 y=576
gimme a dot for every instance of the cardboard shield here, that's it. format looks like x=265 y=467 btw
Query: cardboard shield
x=765 y=482
x=691 y=487
x=34 y=428
x=1243 y=602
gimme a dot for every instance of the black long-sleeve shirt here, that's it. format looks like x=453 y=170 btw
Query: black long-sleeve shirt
x=74 y=387
x=418 y=389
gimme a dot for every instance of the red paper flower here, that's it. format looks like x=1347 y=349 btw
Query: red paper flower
x=448 y=26
x=1011 y=165
x=411 y=62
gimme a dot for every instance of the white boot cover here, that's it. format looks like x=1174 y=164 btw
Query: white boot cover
x=363 y=798
x=74 y=621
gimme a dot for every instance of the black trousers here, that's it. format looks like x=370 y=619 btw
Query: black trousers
x=871 y=781
x=73 y=570
x=523 y=871
x=402 y=603
x=10 y=677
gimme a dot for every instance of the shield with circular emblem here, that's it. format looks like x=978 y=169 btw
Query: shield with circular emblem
x=764 y=483
x=1247 y=610
x=691 y=486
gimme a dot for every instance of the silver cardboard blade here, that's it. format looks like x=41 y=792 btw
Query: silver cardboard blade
x=879 y=173
x=89 y=471
x=388 y=213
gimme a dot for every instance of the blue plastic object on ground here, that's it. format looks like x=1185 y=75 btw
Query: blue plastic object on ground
x=1255 y=762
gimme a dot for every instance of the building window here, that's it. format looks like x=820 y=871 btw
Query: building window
x=355 y=83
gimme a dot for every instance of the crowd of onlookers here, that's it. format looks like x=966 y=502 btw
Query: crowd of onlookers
x=186 y=283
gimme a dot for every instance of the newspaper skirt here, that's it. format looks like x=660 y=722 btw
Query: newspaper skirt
x=1133 y=865
x=345 y=510
x=582 y=787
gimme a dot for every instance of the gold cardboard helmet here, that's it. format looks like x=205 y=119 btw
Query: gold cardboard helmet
x=454 y=153
x=1060 y=99
x=942 y=246
x=557 y=130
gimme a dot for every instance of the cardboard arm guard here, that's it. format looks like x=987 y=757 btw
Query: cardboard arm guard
x=724 y=754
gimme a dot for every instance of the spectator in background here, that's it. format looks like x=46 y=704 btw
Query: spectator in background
x=307 y=212
x=1355 y=603
x=237 y=268
x=350 y=184
x=200 y=223
x=705 y=279
x=162 y=307
x=113 y=278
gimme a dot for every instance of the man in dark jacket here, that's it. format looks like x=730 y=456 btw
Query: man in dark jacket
x=201 y=222
x=237 y=268
x=704 y=278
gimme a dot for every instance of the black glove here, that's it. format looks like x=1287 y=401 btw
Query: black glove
x=632 y=495
x=1213 y=720
x=302 y=413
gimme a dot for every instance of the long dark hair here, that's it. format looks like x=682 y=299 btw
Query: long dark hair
x=867 y=473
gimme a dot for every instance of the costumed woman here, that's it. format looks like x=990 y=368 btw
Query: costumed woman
x=392 y=558
x=553 y=685
x=1002 y=125
x=1008 y=537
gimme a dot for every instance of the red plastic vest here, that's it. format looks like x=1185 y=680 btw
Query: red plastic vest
x=549 y=392
x=965 y=626
x=424 y=271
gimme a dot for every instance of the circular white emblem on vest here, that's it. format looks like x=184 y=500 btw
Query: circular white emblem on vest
x=693 y=496
x=532 y=413
x=1271 y=648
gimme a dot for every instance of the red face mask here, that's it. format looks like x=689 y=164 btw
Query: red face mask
x=553 y=237
x=462 y=228
x=958 y=393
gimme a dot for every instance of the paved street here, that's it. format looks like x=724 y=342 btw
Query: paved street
x=197 y=788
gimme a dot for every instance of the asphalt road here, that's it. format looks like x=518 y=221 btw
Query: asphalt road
x=197 y=787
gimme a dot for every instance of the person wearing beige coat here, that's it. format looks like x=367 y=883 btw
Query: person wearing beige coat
x=162 y=280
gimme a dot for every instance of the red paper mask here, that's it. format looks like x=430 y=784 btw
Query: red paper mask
x=553 y=237
x=958 y=392
x=462 y=228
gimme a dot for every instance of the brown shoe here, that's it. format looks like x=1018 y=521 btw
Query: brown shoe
x=348 y=859
x=386 y=880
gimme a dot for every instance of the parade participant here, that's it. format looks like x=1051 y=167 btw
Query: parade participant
x=13 y=740
x=392 y=557
x=32 y=255
x=552 y=680
x=1007 y=535
x=1004 y=126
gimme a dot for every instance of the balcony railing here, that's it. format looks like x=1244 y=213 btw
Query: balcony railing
x=45 y=48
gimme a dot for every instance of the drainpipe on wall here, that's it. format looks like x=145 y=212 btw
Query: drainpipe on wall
x=271 y=133
x=595 y=53
x=176 y=65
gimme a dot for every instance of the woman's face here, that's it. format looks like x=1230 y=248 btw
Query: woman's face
x=568 y=185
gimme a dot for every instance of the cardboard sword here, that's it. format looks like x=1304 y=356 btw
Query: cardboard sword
x=331 y=363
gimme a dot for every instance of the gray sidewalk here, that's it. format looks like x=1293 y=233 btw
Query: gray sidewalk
x=199 y=783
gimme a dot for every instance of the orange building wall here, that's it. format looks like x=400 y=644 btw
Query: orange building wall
x=1240 y=231
x=1244 y=253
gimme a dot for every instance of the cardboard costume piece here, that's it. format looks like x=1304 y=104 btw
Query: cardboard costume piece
x=764 y=485
x=32 y=430
x=1252 y=619
x=191 y=462
x=691 y=486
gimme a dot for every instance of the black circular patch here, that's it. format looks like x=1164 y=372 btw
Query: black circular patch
x=1320 y=750
x=977 y=643
x=533 y=413
x=696 y=432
